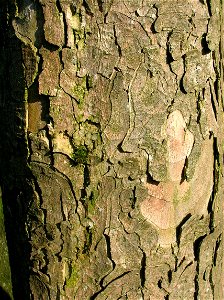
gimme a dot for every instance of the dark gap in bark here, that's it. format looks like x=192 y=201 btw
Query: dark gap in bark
x=184 y=171
x=213 y=100
x=197 y=246
x=65 y=24
x=39 y=35
x=179 y=228
x=153 y=24
x=182 y=78
x=209 y=7
x=182 y=85
x=120 y=149
x=118 y=277
x=17 y=240
x=204 y=44
x=134 y=198
x=181 y=262
x=88 y=240
x=153 y=28
x=169 y=58
x=169 y=275
x=61 y=61
x=83 y=196
x=58 y=295
x=109 y=255
x=45 y=103
x=29 y=141
x=45 y=258
x=50 y=47
x=160 y=284
x=90 y=122
x=62 y=210
x=4 y=295
x=75 y=9
x=211 y=283
x=14 y=172
x=216 y=89
x=100 y=5
x=150 y=179
x=116 y=42
x=45 y=116
x=105 y=17
x=84 y=199
x=188 y=265
x=87 y=8
x=216 y=174
x=86 y=176
x=143 y=269
x=58 y=5
x=136 y=13
x=217 y=245
x=199 y=110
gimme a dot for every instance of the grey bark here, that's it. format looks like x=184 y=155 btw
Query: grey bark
x=112 y=130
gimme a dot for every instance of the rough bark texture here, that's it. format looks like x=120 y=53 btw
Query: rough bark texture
x=111 y=152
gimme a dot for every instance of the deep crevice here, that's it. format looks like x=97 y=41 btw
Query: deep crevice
x=179 y=228
x=87 y=8
x=182 y=78
x=217 y=245
x=109 y=255
x=209 y=7
x=212 y=91
x=100 y=5
x=197 y=247
x=116 y=42
x=15 y=176
x=143 y=269
x=118 y=277
x=153 y=30
x=216 y=174
x=169 y=58
x=204 y=44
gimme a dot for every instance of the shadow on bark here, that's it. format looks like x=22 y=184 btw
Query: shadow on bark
x=14 y=172
x=4 y=295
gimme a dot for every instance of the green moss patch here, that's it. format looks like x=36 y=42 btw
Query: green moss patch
x=80 y=155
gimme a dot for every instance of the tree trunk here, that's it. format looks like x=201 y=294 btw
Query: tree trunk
x=112 y=148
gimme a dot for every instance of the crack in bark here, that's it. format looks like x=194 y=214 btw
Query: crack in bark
x=116 y=41
x=103 y=288
x=109 y=255
x=184 y=73
x=197 y=246
x=216 y=178
x=132 y=112
x=217 y=246
x=179 y=228
x=143 y=269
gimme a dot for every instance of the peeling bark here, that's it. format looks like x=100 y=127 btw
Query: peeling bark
x=112 y=130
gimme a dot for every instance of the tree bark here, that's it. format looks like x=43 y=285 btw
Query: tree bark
x=112 y=148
